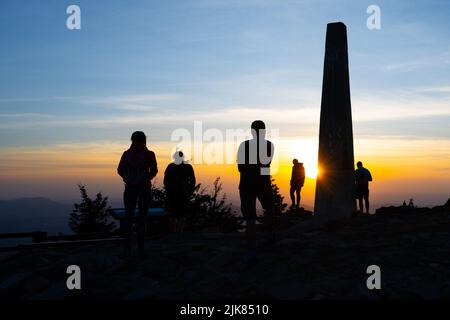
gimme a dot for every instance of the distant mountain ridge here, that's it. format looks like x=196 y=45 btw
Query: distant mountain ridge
x=33 y=214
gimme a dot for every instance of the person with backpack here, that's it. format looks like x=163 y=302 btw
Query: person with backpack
x=297 y=182
x=362 y=179
x=137 y=167
x=179 y=183
x=254 y=159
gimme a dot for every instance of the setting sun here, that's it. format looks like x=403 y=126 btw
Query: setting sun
x=305 y=151
x=312 y=172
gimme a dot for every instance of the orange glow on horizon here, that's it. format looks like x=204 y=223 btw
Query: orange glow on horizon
x=399 y=171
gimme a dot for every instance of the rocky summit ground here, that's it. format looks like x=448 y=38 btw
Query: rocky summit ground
x=310 y=261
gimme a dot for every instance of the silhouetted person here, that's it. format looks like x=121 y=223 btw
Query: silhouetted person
x=362 y=179
x=179 y=182
x=411 y=203
x=137 y=168
x=297 y=182
x=254 y=158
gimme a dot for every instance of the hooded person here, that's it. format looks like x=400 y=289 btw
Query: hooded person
x=297 y=182
x=179 y=183
x=137 y=167
x=362 y=179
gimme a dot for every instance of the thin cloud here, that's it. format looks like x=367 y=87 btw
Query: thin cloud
x=26 y=115
x=428 y=62
x=133 y=98
x=37 y=99
x=366 y=108
x=435 y=89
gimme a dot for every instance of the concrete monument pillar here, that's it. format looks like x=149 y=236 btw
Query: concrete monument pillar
x=335 y=183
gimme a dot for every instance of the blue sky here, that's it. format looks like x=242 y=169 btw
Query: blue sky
x=186 y=57
x=160 y=65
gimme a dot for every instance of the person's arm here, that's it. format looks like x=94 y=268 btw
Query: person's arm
x=153 y=165
x=166 y=177
x=192 y=178
x=369 y=176
x=241 y=157
x=121 y=166
x=194 y=181
x=271 y=151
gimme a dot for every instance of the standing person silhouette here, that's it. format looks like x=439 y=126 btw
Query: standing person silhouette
x=137 y=167
x=362 y=179
x=297 y=182
x=179 y=183
x=254 y=158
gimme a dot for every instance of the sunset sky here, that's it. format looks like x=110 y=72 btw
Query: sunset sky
x=70 y=99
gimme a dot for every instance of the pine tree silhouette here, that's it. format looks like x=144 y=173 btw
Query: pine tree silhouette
x=278 y=199
x=91 y=215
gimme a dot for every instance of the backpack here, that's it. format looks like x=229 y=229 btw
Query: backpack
x=136 y=171
x=362 y=179
x=178 y=178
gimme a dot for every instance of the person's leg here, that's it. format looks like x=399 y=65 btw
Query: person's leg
x=248 y=209
x=265 y=197
x=298 y=196
x=250 y=232
x=182 y=207
x=361 y=207
x=172 y=224
x=129 y=201
x=366 y=199
x=180 y=225
x=144 y=203
x=291 y=192
x=171 y=206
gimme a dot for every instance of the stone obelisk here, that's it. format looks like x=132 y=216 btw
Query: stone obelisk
x=335 y=183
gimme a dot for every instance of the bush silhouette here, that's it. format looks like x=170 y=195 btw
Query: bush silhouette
x=278 y=199
x=207 y=209
x=91 y=215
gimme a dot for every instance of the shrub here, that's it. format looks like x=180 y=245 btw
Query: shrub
x=91 y=215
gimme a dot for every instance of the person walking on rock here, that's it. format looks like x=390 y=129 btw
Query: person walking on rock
x=362 y=179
